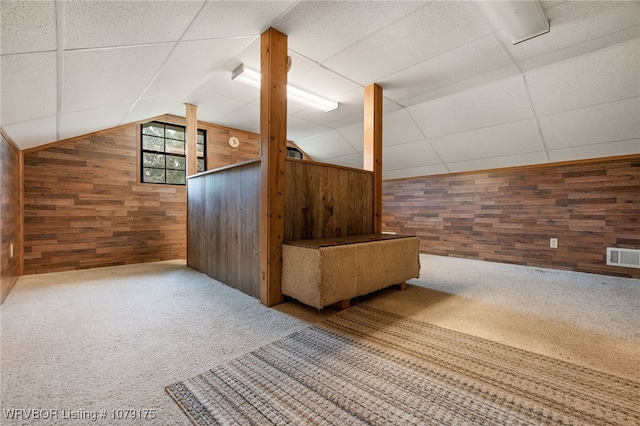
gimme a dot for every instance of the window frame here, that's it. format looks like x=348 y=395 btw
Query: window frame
x=166 y=152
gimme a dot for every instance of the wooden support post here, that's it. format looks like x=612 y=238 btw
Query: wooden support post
x=273 y=146
x=192 y=138
x=373 y=147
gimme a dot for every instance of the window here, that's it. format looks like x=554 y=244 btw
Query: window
x=294 y=153
x=163 y=153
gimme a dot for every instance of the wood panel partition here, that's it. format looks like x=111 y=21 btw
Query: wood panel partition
x=11 y=217
x=325 y=201
x=223 y=225
x=509 y=215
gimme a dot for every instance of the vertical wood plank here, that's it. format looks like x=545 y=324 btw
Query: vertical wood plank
x=273 y=143
x=192 y=137
x=373 y=147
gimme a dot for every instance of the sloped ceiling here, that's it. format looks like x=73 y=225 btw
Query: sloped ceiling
x=458 y=95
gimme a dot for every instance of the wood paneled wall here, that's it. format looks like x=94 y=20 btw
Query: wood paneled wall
x=85 y=207
x=223 y=225
x=10 y=218
x=324 y=201
x=508 y=216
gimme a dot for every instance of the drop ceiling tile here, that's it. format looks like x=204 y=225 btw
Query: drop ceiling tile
x=212 y=107
x=576 y=28
x=342 y=24
x=604 y=76
x=33 y=133
x=398 y=128
x=94 y=78
x=350 y=104
x=326 y=145
x=147 y=108
x=352 y=160
x=235 y=18
x=499 y=162
x=435 y=169
x=220 y=82
x=495 y=103
x=246 y=118
x=322 y=82
x=124 y=23
x=298 y=128
x=464 y=62
x=191 y=63
x=92 y=120
x=432 y=30
x=608 y=122
x=28 y=26
x=496 y=141
x=413 y=154
x=29 y=86
x=610 y=149
x=354 y=133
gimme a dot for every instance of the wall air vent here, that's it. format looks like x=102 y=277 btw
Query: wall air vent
x=628 y=258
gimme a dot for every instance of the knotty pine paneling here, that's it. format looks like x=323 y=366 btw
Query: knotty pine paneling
x=10 y=218
x=223 y=226
x=508 y=216
x=324 y=201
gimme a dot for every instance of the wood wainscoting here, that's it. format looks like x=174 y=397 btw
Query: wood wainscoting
x=11 y=223
x=325 y=201
x=510 y=215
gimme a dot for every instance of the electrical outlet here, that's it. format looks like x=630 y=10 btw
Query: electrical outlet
x=11 y=251
x=553 y=242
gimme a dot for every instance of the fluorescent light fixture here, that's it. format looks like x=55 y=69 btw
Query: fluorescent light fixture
x=253 y=78
x=521 y=20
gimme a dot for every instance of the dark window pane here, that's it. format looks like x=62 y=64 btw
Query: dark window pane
x=201 y=136
x=176 y=163
x=153 y=129
x=175 y=132
x=153 y=160
x=152 y=143
x=200 y=165
x=176 y=177
x=175 y=147
x=200 y=150
x=153 y=175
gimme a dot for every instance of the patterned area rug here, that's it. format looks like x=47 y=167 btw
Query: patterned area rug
x=367 y=366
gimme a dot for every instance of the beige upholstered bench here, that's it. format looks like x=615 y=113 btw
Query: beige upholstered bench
x=327 y=271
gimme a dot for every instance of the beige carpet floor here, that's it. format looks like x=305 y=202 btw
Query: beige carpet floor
x=109 y=340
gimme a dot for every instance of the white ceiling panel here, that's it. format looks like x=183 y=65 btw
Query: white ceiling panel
x=605 y=76
x=476 y=57
x=413 y=154
x=28 y=26
x=94 y=78
x=246 y=118
x=326 y=145
x=436 y=169
x=430 y=31
x=298 y=128
x=87 y=121
x=29 y=86
x=495 y=103
x=575 y=28
x=539 y=157
x=190 y=64
x=154 y=106
x=350 y=104
x=220 y=82
x=596 y=151
x=608 y=122
x=495 y=141
x=352 y=160
x=126 y=23
x=222 y=19
x=354 y=133
x=398 y=128
x=322 y=82
x=33 y=133
x=320 y=29
x=212 y=107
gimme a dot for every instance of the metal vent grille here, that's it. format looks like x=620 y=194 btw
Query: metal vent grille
x=628 y=258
